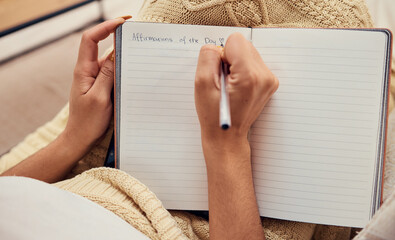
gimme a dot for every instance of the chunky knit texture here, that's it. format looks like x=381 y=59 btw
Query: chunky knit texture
x=129 y=198
x=251 y=13
x=137 y=205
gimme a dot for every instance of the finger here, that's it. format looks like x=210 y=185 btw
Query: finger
x=208 y=67
x=105 y=79
x=90 y=39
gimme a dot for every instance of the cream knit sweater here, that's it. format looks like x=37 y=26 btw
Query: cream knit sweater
x=129 y=198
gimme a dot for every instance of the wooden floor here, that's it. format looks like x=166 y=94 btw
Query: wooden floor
x=16 y=12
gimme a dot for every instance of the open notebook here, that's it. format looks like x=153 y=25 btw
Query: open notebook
x=317 y=147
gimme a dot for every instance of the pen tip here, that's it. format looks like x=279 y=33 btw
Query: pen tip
x=224 y=126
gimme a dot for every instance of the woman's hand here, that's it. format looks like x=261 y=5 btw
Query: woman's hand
x=250 y=85
x=90 y=97
x=90 y=112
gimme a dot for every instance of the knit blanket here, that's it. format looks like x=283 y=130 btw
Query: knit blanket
x=136 y=204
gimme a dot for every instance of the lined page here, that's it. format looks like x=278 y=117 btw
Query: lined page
x=159 y=128
x=314 y=146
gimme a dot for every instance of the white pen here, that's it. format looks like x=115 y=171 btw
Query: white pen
x=224 y=107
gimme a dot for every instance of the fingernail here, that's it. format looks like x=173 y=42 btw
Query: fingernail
x=221 y=49
x=126 y=17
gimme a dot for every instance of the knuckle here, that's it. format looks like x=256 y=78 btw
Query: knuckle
x=208 y=49
x=275 y=83
x=85 y=35
x=235 y=37
x=97 y=100
x=271 y=82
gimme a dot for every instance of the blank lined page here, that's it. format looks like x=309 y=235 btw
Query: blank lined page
x=159 y=128
x=315 y=145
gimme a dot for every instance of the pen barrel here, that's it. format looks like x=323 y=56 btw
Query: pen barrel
x=224 y=106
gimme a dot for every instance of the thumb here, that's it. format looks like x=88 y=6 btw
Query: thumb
x=105 y=79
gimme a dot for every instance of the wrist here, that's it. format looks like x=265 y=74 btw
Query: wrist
x=76 y=148
x=226 y=152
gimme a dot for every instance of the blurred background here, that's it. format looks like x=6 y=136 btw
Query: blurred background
x=39 y=42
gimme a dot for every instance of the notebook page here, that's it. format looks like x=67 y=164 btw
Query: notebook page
x=314 y=145
x=159 y=128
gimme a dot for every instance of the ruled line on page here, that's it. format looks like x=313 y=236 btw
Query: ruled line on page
x=311 y=116
x=169 y=82
x=176 y=158
x=309 y=213
x=152 y=136
x=161 y=71
x=161 y=63
x=318 y=71
x=167 y=108
x=158 y=86
x=309 y=146
x=325 y=79
x=316 y=207
x=161 y=78
x=318 y=124
x=325 y=94
x=147 y=92
x=179 y=144
x=311 y=177
x=165 y=151
x=307 y=154
x=266 y=54
x=169 y=101
x=155 y=121
x=309 y=161
x=309 y=139
x=324 y=87
x=322 y=63
x=325 y=191
x=316 y=109
x=161 y=167
x=315 y=169
x=161 y=56
x=294 y=196
x=167 y=49
x=144 y=164
x=311 y=199
x=306 y=131
x=318 y=48
x=311 y=184
x=307 y=101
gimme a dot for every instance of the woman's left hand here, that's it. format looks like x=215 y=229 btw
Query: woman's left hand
x=90 y=96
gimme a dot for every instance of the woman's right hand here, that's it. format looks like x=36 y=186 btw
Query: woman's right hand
x=250 y=85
